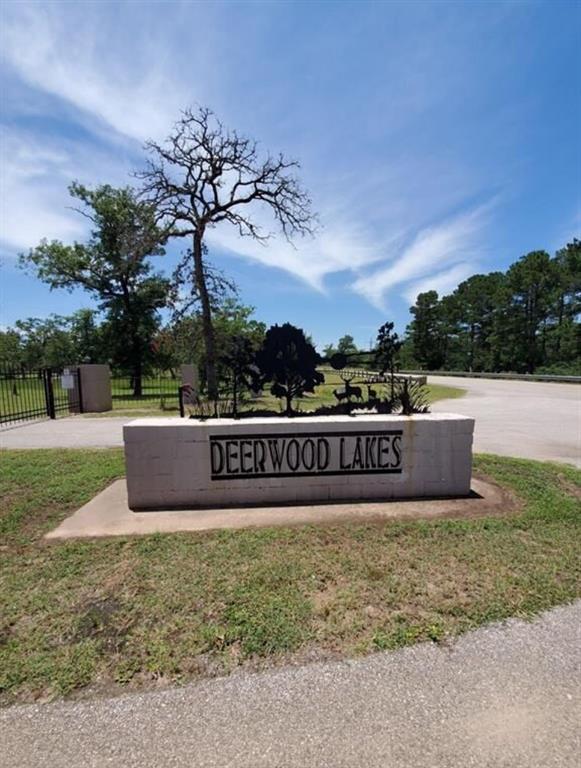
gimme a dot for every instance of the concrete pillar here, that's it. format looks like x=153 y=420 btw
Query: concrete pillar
x=189 y=374
x=95 y=388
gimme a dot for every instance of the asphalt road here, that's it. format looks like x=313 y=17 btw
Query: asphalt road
x=530 y=419
x=502 y=696
x=535 y=420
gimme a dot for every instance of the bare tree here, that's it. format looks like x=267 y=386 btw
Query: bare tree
x=203 y=175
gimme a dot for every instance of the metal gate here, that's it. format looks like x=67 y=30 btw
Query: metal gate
x=39 y=393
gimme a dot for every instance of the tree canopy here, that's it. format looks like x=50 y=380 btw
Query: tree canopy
x=524 y=320
x=54 y=341
x=113 y=266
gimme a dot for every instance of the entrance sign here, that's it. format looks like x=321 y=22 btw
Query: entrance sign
x=306 y=454
x=187 y=463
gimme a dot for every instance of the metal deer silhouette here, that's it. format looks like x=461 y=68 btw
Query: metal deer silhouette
x=348 y=392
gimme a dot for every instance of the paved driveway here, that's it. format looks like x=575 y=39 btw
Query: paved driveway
x=534 y=420
x=73 y=432
x=503 y=696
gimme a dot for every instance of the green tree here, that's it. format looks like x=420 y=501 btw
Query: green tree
x=564 y=338
x=52 y=342
x=531 y=281
x=425 y=331
x=181 y=341
x=405 y=357
x=471 y=312
x=11 y=351
x=86 y=337
x=113 y=266
x=289 y=362
x=238 y=337
x=46 y=342
x=346 y=345
x=238 y=357
x=205 y=175
x=518 y=321
x=329 y=350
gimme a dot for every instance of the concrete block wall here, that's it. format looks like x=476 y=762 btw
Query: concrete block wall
x=168 y=460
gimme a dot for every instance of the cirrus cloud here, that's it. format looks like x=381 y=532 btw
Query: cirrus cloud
x=449 y=243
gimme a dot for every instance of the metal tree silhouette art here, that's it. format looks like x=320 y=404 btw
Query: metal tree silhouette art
x=388 y=345
x=289 y=362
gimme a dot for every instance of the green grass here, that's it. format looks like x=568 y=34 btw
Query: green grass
x=323 y=394
x=125 y=405
x=16 y=396
x=442 y=392
x=130 y=612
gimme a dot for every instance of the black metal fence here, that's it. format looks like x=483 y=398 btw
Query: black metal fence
x=157 y=390
x=28 y=394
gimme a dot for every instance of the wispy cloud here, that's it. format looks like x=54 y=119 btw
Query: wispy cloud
x=442 y=282
x=338 y=246
x=129 y=91
x=30 y=175
x=443 y=245
x=375 y=192
x=33 y=188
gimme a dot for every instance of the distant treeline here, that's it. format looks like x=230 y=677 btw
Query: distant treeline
x=89 y=336
x=524 y=320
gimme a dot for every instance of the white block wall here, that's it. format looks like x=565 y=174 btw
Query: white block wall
x=168 y=461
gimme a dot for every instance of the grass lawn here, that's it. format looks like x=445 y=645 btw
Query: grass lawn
x=323 y=395
x=29 y=394
x=113 y=613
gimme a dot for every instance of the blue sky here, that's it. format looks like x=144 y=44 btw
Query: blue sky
x=437 y=139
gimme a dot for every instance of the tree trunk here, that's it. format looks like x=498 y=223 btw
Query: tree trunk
x=137 y=377
x=471 y=351
x=235 y=396
x=559 y=324
x=207 y=327
x=136 y=365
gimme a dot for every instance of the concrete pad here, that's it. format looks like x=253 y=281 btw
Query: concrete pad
x=108 y=514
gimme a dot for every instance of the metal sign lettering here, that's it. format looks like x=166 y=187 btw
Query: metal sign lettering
x=306 y=454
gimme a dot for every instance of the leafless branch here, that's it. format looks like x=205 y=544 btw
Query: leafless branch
x=205 y=174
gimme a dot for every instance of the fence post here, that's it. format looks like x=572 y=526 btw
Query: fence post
x=49 y=394
x=79 y=384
